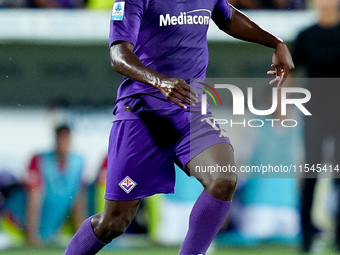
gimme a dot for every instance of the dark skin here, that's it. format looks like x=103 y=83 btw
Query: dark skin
x=118 y=214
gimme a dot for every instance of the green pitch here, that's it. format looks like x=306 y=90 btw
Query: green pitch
x=263 y=250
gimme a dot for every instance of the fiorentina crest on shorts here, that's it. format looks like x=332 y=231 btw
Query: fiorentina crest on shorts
x=127 y=184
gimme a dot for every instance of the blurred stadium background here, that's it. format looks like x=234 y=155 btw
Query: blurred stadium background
x=54 y=67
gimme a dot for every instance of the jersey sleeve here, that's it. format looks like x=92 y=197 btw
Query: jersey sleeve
x=126 y=20
x=221 y=11
x=33 y=178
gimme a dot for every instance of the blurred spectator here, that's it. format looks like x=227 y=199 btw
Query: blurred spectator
x=54 y=190
x=317 y=49
x=58 y=4
x=13 y=3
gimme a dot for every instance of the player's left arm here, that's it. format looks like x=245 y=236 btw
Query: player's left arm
x=241 y=27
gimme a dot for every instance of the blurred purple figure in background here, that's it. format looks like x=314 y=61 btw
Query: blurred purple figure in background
x=58 y=4
x=13 y=3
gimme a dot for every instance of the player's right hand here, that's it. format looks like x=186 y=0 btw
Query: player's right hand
x=178 y=91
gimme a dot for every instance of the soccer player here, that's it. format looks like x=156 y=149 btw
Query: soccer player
x=159 y=46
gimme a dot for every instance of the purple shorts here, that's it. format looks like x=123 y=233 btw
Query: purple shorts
x=142 y=152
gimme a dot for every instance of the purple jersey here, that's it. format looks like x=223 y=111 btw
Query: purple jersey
x=169 y=36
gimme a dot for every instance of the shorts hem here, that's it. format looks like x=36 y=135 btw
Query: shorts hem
x=116 y=197
x=197 y=152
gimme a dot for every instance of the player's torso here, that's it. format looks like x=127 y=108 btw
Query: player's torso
x=173 y=35
x=183 y=16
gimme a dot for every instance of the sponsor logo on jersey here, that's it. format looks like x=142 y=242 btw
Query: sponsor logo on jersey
x=194 y=17
x=118 y=11
x=127 y=184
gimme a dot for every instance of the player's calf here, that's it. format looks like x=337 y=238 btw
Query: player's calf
x=99 y=230
x=219 y=184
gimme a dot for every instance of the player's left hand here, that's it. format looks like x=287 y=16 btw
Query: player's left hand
x=282 y=63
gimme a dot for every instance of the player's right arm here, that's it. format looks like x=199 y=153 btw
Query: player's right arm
x=33 y=206
x=124 y=30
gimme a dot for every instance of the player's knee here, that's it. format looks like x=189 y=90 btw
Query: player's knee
x=117 y=227
x=110 y=229
x=223 y=188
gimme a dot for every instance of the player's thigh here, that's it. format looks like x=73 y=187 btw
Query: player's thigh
x=204 y=145
x=205 y=152
x=216 y=161
x=220 y=181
